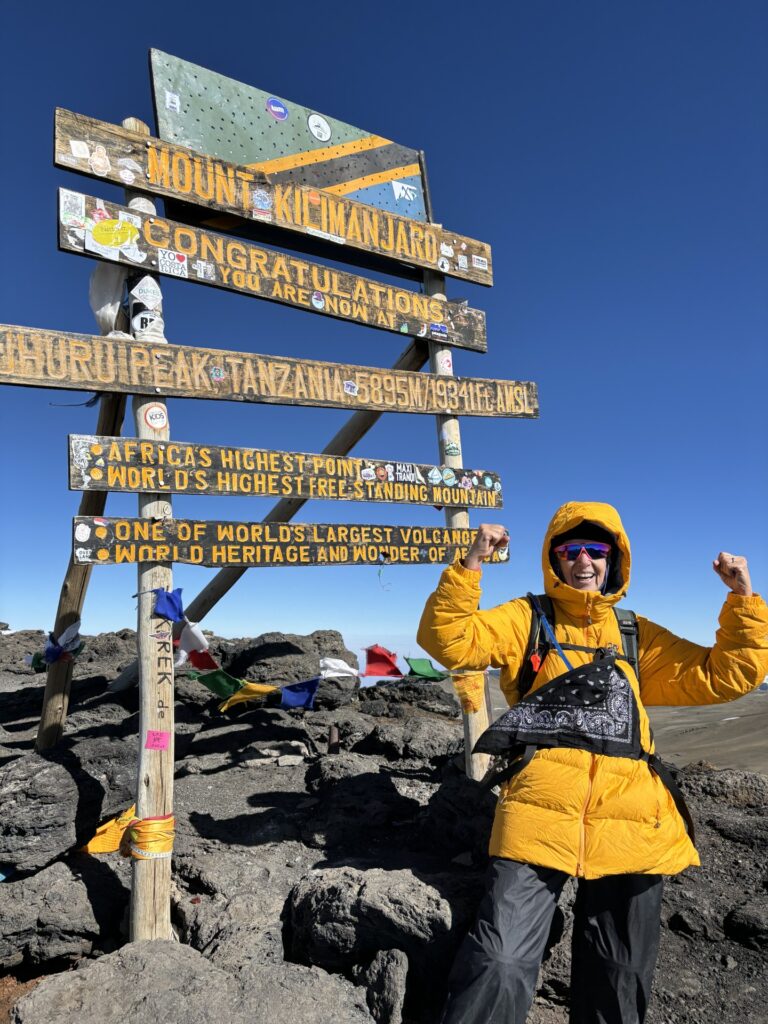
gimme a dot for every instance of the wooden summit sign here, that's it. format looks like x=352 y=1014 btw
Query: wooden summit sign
x=99 y=541
x=85 y=362
x=93 y=227
x=163 y=467
x=107 y=151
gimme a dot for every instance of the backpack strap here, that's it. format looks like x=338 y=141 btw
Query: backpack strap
x=538 y=643
x=629 y=637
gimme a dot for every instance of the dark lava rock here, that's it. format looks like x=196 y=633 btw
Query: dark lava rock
x=280 y=657
x=168 y=982
x=413 y=693
x=748 y=925
x=424 y=739
x=53 y=802
x=62 y=913
x=385 y=980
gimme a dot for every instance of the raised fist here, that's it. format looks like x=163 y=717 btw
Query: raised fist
x=733 y=571
x=488 y=538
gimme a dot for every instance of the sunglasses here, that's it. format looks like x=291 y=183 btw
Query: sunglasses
x=595 y=549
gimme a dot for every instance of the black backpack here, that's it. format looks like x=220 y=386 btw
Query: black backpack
x=539 y=643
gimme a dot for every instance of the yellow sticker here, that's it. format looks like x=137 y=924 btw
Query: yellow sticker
x=96 y=449
x=115 y=233
x=102 y=554
x=101 y=532
x=96 y=473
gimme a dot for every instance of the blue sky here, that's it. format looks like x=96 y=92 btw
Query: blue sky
x=613 y=155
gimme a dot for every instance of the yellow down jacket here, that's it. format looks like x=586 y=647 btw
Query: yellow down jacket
x=591 y=814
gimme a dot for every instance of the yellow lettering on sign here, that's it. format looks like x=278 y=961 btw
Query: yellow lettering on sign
x=158 y=167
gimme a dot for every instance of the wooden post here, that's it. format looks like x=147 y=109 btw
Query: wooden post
x=59 y=680
x=58 y=683
x=151 y=888
x=449 y=446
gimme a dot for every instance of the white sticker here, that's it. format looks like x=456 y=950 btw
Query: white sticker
x=156 y=417
x=326 y=235
x=350 y=388
x=71 y=209
x=444 y=265
x=99 y=161
x=172 y=101
x=143 y=321
x=404 y=191
x=446 y=250
x=319 y=127
x=127 y=176
x=109 y=252
x=82 y=532
x=462 y=261
x=172 y=262
x=367 y=474
x=480 y=262
x=148 y=292
x=129 y=164
x=79 y=149
x=83 y=554
x=445 y=362
x=318 y=300
x=205 y=271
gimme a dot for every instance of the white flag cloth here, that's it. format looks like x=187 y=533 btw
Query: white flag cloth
x=335 y=667
x=191 y=639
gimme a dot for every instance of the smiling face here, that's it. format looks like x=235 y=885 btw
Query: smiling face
x=584 y=573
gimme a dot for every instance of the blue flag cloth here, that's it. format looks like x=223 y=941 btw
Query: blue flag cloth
x=300 y=695
x=168 y=604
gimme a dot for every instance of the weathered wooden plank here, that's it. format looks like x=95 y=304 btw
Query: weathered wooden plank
x=84 y=362
x=178 y=467
x=93 y=227
x=112 y=541
x=107 y=151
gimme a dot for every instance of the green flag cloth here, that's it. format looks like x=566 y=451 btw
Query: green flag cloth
x=219 y=682
x=423 y=667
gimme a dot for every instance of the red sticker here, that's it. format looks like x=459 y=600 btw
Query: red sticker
x=157 y=740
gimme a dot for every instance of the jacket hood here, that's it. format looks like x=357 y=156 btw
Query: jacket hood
x=569 y=516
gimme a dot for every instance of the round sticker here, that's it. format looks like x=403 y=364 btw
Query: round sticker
x=115 y=233
x=449 y=477
x=444 y=265
x=319 y=127
x=82 y=532
x=318 y=300
x=156 y=417
x=143 y=321
x=277 y=108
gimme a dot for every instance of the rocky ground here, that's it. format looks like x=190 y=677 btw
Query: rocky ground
x=310 y=886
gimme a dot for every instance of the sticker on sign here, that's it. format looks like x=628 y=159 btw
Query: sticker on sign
x=148 y=292
x=171 y=262
x=156 y=417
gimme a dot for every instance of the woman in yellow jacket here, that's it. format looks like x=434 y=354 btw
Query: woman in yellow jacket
x=608 y=820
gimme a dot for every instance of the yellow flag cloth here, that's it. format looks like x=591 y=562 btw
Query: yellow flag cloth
x=149 y=838
x=470 y=689
x=248 y=691
x=144 y=839
x=108 y=836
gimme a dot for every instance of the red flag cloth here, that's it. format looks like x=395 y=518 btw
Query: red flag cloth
x=202 y=659
x=381 y=662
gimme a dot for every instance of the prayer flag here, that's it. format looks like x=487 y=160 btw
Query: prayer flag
x=248 y=691
x=202 y=659
x=381 y=662
x=300 y=695
x=168 y=604
x=335 y=667
x=191 y=639
x=219 y=682
x=424 y=668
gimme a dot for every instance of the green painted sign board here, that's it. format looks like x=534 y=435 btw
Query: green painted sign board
x=211 y=113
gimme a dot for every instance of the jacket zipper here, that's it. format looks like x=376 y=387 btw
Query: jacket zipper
x=582 y=817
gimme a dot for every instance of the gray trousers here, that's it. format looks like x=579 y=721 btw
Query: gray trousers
x=615 y=945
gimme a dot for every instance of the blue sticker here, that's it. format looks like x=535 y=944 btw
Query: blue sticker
x=438 y=329
x=277 y=108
